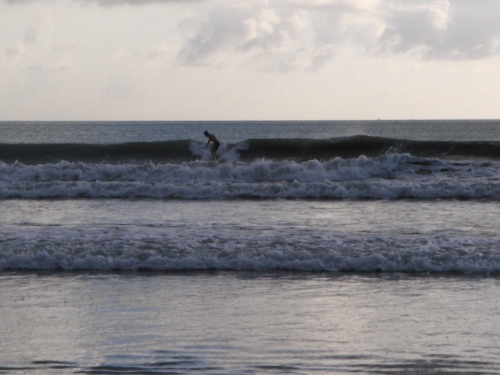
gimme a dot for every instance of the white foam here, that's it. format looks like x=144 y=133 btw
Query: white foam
x=225 y=152
x=387 y=177
x=169 y=249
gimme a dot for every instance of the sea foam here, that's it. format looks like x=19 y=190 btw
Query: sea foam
x=391 y=176
x=167 y=249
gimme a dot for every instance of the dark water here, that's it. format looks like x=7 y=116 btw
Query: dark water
x=248 y=151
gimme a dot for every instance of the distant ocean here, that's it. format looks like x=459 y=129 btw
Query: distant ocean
x=310 y=247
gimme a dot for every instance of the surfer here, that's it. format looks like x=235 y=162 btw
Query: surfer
x=215 y=146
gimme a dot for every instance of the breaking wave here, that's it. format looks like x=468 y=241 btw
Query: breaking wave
x=392 y=176
x=250 y=150
x=159 y=249
x=354 y=168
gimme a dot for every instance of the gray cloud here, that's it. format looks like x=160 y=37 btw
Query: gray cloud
x=282 y=36
x=222 y=30
x=14 y=52
x=258 y=30
x=38 y=30
x=260 y=35
x=308 y=34
x=459 y=29
x=430 y=29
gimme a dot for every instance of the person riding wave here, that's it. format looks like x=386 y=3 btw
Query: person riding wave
x=215 y=146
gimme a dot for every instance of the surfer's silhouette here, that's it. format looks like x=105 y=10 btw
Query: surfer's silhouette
x=215 y=146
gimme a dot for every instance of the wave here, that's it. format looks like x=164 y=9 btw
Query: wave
x=357 y=146
x=108 y=249
x=249 y=150
x=110 y=153
x=390 y=176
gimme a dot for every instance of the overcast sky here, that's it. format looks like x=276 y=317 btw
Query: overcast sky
x=249 y=59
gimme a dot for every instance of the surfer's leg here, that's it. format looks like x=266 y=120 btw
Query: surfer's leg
x=212 y=151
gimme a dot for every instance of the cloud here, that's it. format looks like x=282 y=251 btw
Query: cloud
x=252 y=33
x=308 y=34
x=286 y=35
x=15 y=51
x=12 y=53
x=283 y=35
x=38 y=30
x=110 y=2
x=158 y=52
x=444 y=29
x=137 y=2
x=429 y=29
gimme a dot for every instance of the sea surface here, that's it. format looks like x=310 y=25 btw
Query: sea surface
x=309 y=247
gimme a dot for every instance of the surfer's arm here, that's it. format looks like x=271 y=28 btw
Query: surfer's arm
x=207 y=143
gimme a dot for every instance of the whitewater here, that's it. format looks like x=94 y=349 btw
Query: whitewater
x=387 y=177
x=359 y=167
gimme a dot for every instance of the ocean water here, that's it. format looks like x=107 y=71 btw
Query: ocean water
x=309 y=248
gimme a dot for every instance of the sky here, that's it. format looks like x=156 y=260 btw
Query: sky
x=63 y=60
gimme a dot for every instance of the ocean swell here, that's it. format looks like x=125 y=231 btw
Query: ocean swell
x=250 y=150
